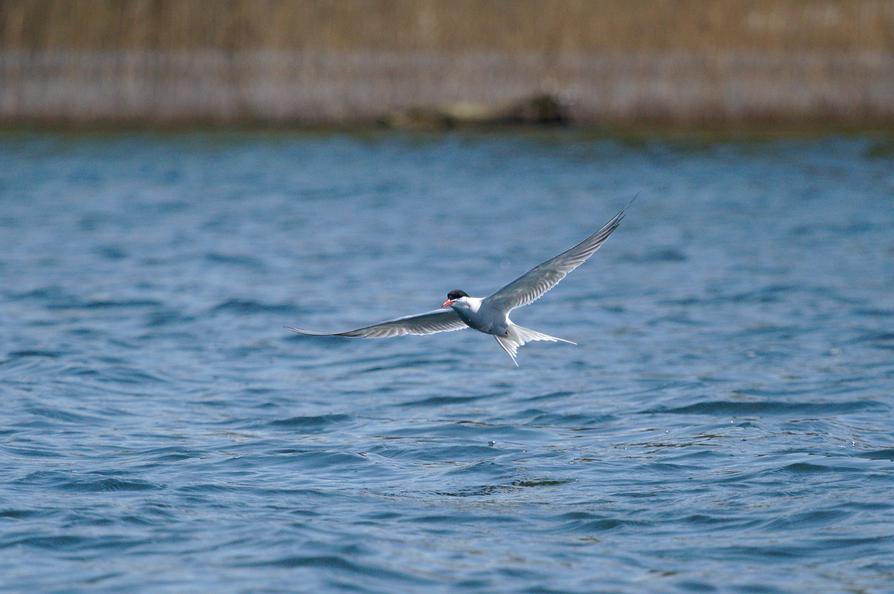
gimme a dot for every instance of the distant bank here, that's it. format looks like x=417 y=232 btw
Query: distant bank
x=432 y=63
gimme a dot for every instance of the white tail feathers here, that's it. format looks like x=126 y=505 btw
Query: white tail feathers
x=520 y=336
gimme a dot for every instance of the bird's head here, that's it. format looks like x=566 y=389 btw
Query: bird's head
x=455 y=297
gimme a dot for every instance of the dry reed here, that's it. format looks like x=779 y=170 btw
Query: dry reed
x=339 y=61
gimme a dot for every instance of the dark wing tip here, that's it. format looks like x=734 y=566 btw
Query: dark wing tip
x=618 y=217
x=616 y=220
x=303 y=332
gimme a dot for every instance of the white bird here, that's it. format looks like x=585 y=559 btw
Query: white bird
x=491 y=314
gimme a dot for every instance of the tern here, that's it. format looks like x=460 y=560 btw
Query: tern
x=490 y=315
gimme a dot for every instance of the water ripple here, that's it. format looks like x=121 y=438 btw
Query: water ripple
x=739 y=409
x=723 y=425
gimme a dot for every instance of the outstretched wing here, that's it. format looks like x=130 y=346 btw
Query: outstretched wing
x=431 y=322
x=532 y=285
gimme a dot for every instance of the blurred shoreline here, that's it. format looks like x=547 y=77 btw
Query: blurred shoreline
x=431 y=65
x=879 y=139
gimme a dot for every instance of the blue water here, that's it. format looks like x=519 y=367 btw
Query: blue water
x=724 y=426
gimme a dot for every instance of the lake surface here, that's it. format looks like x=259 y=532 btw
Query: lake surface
x=725 y=424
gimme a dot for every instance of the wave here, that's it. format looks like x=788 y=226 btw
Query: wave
x=736 y=408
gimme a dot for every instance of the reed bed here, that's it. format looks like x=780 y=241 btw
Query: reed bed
x=608 y=61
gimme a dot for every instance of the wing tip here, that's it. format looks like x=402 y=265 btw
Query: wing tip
x=304 y=332
x=616 y=220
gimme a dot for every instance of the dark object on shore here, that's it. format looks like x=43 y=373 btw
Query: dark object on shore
x=539 y=110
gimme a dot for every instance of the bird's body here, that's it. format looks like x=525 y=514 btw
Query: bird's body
x=490 y=315
x=482 y=316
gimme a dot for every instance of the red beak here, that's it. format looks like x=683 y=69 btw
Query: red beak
x=447 y=303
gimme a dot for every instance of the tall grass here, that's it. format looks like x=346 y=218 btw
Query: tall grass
x=507 y=25
x=338 y=60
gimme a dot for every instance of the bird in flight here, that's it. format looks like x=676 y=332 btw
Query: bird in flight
x=491 y=314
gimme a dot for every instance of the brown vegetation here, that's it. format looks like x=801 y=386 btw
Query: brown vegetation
x=351 y=60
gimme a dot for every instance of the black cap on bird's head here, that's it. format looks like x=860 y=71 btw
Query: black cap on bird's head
x=453 y=296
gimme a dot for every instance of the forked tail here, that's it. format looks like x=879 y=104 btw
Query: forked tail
x=519 y=336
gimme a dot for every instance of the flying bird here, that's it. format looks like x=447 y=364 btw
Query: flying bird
x=491 y=314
